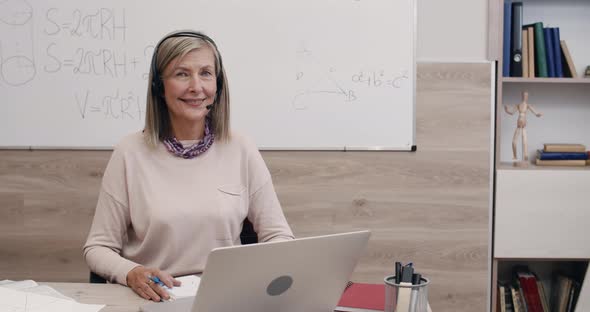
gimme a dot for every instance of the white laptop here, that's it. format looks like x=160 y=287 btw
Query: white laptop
x=306 y=274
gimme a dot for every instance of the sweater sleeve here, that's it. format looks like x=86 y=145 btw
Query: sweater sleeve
x=264 y=209
x=109 y=227
x=267 y=216
x=105 y=240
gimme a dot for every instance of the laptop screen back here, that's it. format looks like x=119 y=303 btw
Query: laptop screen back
x=307 y=274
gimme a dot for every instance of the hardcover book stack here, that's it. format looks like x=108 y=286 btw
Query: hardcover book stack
x=531 y=50
x=562 y=155
x=526 y=293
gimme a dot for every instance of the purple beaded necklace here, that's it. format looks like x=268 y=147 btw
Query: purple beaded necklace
x=176 y=148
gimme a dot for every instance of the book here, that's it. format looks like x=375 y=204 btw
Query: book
x=564 y=147
x=498 y=305
x=568 y=61
x=521 y=298
x=516 y=300
x=506 y=38
x=516 y=45
x=525 y=53
x=561 y=293
x=540 y=56
x=568 y=163
x=362 y=297
x=509 y=301
x=556 y=46
x=549 y=52
x=505 y=297
x=531 y=47
x=542 y=155
x=528 y=282
x=527 y=295
x=502 y=291
x=543 y=297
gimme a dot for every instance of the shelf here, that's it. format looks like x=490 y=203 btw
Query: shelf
x=545 y=80
x=545 y=273
x=510 y=166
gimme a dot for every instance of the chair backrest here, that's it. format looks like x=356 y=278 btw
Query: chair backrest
x=247 y=236
x=96 y=279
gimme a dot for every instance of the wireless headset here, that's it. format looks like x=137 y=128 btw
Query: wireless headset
x=158 y=84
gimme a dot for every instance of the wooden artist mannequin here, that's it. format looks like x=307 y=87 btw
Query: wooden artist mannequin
x=521 y=124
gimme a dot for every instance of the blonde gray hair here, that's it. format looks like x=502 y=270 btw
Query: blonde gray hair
x=157 y=117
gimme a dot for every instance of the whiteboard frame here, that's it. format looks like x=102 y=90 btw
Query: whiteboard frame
x=411 y=148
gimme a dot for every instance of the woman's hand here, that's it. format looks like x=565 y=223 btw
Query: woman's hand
x=139 y=280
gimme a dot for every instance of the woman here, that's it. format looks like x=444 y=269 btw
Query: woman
x=184 y=185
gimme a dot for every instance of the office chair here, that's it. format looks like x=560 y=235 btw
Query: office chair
x=247 y=236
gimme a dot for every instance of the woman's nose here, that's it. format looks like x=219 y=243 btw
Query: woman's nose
x=195 y=84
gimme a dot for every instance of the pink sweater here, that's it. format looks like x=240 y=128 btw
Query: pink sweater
x=162 y=211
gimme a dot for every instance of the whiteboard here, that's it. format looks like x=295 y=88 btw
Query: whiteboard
x=303 y=74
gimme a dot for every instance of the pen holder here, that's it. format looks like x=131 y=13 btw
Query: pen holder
x=405 y=297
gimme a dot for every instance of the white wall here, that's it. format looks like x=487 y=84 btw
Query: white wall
x=452 y=30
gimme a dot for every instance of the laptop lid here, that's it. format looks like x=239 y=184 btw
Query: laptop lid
x=306 y=274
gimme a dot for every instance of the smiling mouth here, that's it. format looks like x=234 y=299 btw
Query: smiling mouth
x=195 y=102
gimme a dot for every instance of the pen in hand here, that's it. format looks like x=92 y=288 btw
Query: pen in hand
x=158 y=282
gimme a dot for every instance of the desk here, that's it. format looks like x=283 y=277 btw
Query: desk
x=117 y=298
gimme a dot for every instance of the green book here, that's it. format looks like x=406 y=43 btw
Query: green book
x=540 y=53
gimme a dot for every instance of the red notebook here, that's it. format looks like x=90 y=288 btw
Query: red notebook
x=362 y=297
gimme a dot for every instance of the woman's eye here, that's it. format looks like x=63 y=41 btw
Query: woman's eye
x=182 y=74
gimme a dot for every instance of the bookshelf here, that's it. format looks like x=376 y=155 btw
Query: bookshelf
x=542 y=214
x=544 y=270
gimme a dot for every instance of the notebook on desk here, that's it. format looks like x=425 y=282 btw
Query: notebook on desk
x=306 y=274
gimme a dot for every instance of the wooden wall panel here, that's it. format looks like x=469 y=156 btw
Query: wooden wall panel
x=429 y=207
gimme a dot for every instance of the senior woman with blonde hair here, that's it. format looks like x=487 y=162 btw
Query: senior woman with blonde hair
x=185 y=184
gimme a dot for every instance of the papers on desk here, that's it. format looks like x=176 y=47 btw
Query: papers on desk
x=18 y=285
x=188 y=287
x=32 y=287
x=28 y=296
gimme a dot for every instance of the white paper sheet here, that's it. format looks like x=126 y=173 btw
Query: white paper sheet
x=20 y=301
x=32 y=287
x=188 y=287
x=46 y=291
x=18 y=285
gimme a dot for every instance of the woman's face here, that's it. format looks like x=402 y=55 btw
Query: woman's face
x=190 y=85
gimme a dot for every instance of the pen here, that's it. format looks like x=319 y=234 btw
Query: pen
x=416 y=278
x=407 y=272
x=158 y=282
